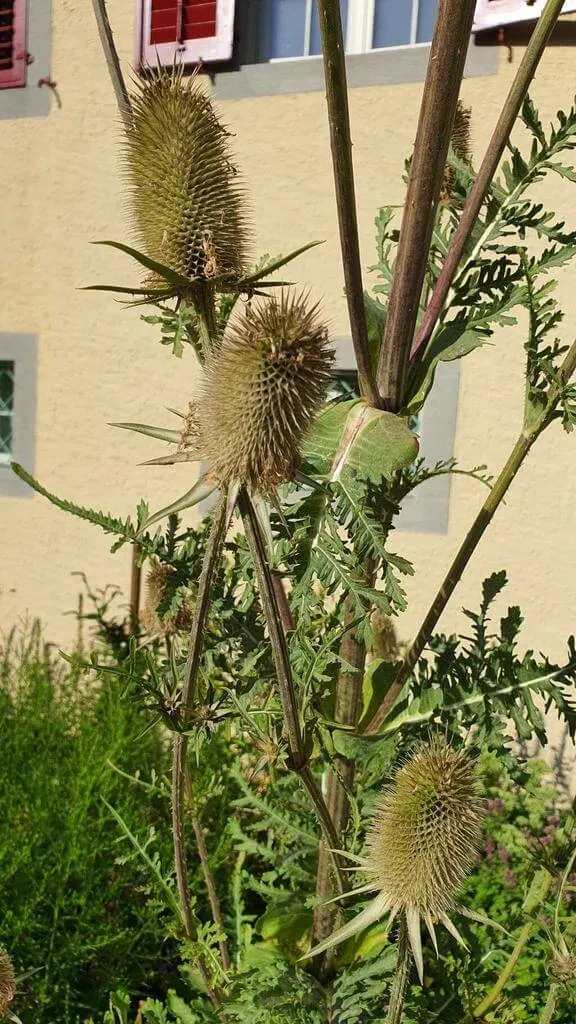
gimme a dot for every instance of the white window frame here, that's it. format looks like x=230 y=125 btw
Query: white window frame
x=35 y=98
x=22 y=351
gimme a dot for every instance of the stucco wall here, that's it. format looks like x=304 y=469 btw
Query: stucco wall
x=60 y=188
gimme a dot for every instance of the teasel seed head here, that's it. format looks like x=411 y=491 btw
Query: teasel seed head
x=426 y=831
x=157 y=583
x=422 y=843
x=185 y=198
x=262 y=390
x=7 y=981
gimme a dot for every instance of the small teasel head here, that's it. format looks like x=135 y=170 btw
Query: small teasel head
x=184 y=195
x=461 y=143
x=159 y=582
x=423 y=840
x=262 y=390
x=7 y=981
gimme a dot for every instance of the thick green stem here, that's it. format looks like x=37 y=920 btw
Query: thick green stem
x=476 y=532
x=482 y=1008
x=113 y=62
x=483 y=180
x=341 y=147
x=547 y=1015
x=347 y=707
x=440 y=96
x=401 y=975
x=296 y=747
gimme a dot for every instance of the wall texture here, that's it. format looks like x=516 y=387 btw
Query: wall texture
x=60 y=189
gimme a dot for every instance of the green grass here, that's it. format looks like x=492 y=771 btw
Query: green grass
x=74 y=904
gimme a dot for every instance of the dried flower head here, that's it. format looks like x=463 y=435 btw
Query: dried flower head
x=460 y=140
x=422 y=843
x=262 y=391
x=154 y=620
x=7 y=981
x=562 y=967
x=184 y=196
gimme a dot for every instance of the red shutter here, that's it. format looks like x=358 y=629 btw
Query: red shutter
x=12 y=43
x=186 y=30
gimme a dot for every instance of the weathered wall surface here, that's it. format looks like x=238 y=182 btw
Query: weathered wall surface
x=60 y=188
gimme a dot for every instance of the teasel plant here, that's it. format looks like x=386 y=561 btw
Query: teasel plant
x=317 y=486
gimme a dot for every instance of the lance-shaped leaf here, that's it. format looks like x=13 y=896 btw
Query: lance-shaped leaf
x=178 y=281
x=201 y=490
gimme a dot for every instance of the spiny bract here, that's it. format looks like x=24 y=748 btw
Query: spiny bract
x=422 y=842
x=261 y=392
x=184 y=196
x=7 y=981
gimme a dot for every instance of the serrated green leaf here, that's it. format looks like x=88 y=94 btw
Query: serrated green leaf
x=375 y=314
x=351 y=438
x=453 y=342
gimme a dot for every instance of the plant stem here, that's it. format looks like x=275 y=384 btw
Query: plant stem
x=341 y=147
x=506 y=121
x=180 y=743
x=441 y=89
x=298 y=758
x=482 y=1008
x=135 y=588
x=347 y=707
x=206 y=870
x=401 y=974
x=547 y=1014
x=483 y=519
x=113 y=62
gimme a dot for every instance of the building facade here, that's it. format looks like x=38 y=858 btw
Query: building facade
x=72 y=361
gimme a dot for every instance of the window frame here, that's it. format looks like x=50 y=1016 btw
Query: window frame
x=32 y=99
x=22 y=351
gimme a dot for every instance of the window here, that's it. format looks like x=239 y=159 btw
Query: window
x=6 y=409
x=25 y=58
x=12 y=43
x=17 y=409
x=262 y=47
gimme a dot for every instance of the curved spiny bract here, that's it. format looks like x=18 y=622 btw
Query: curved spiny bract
x=426 y=832
x=184 y=195
x=262 y=390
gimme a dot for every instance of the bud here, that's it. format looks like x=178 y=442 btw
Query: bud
x=262 y=391
x=157 y=585
x=7 y=981
x=188 y=207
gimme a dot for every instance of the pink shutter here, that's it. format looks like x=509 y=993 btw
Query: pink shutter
x=493 y=13
x=187 y=30
x=12 y=43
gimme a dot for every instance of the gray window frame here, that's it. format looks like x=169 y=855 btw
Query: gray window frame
x=22 y=350
x=427 y=508
x=33 y=100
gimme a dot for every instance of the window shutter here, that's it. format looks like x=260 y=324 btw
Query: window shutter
x=493 y=13
x=187 y=30
x=12 y=43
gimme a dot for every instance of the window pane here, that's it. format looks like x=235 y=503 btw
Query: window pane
x=427 y=11
x=284 y=28
x=391 y=22
x=315 y=41
x=6 y=408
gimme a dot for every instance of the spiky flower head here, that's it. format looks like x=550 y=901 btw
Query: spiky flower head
x=426 y=831
x=7 y=981
x=261 y=392
x=422 y=842
x=159 y=584
x=184 y=196
x=461 y=143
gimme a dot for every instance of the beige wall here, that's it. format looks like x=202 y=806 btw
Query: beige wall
x=60 y=189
